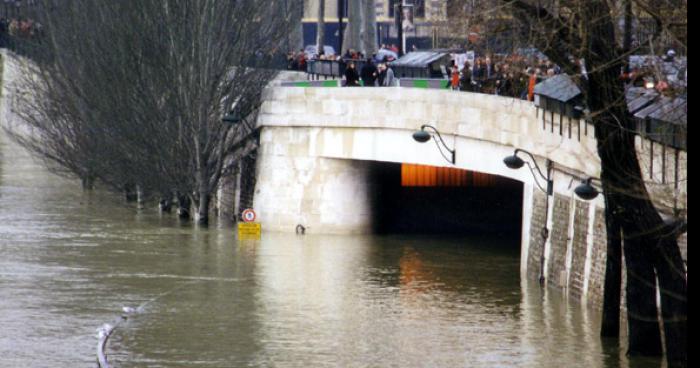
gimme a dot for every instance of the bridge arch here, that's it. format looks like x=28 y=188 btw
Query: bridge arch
x=316 y=144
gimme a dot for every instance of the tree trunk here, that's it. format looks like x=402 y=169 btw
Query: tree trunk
x=674 y=301
x=642 y=311
x=183 y=204
x=203 y=207
x=166 y=202
x=354 y=27
x=647 y=248
x=87 y=182
x=370 y=28
x=321 y=26
x=129 y=193
x=140 y=196
x=610 y=326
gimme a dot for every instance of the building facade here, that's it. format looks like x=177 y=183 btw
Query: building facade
x=422 y=22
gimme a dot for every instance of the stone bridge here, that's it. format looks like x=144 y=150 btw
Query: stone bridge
x=319 y=148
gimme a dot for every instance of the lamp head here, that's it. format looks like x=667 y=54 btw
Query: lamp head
x=232 y=118
x=421 y=136
x=514 y=162
x=586 y=191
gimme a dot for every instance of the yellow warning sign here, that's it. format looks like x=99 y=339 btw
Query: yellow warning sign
x=249 y=230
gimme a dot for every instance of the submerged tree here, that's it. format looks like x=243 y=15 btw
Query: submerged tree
x=132 y=93
x=571 y=32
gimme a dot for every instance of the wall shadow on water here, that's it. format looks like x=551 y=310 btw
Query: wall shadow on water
x=494 y=210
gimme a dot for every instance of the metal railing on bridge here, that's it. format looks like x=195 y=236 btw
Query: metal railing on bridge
x=325 y=68
x=418 y=65
x=317 y=69
x=403 y=82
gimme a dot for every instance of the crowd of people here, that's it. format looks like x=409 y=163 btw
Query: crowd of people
x=296 y=60
x=511 y=75
x=371 y=75
x=299 y=59
x=663 y=74
x=18 y=29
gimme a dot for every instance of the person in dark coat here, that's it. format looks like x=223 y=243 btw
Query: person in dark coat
x=465 y=81
x=478 y=75
x=351 y=76
x=369 y=73
x=382 y=74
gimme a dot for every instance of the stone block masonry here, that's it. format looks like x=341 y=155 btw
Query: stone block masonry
x=575 y=252
x=537 y=223
x=578 y=249
x=597 y=259
x=558 y=239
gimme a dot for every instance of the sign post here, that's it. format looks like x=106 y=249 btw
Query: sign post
x=249 y=229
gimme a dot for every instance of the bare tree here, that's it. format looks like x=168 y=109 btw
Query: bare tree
x=571 y=32
x=138 y=98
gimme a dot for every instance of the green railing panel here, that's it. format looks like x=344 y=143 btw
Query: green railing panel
x=421 y=83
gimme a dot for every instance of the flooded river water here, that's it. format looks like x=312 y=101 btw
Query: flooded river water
x=70 y=261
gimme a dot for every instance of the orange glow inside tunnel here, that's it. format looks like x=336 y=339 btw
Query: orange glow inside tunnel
x=433 y=176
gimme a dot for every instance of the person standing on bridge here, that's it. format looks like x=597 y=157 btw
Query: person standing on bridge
x=532 y=81
x=466 y=78
x=389 y=80
x=351 y=76
x=454 y=78
x=381 y=67
x=478 y=75
x=369 y=73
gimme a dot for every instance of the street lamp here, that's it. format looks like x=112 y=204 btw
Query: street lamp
x=422 y=136
x=514 y=162
x=240 y=112
x=586 y=191
x=232 y=118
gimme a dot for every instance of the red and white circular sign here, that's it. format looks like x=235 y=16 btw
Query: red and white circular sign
x=248 y=215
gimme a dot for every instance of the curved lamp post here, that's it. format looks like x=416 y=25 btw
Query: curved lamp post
x=423 y=136
x=514 y=162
